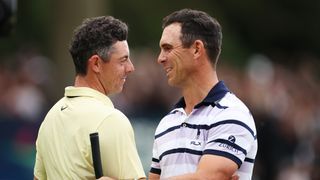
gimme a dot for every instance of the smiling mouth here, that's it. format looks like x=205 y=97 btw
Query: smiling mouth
x=168 y=70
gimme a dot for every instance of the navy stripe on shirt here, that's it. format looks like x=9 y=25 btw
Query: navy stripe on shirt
x=155 y=171
x=207 y=127
x=224 y=154
x=249 y=160
x=180 y=150
x=155 y=160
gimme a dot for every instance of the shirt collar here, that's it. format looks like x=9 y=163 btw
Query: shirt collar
x=215 y=94
x=72 y=91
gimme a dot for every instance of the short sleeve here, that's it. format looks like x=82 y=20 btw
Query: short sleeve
x=39 y=170
x=231 y=136
x=155 y=162
x=119 y=154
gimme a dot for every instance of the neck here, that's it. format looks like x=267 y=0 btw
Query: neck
x=198 y=88
x=90 y=82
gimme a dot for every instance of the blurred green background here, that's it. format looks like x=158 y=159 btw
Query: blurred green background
x=270 y=59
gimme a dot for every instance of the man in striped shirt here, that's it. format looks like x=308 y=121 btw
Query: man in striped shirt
x=210 y=134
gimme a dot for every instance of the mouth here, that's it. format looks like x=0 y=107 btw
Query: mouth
x=124 y=79
x=168 y=70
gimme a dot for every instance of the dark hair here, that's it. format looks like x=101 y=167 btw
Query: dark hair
x=95 y=36
x=197 y=25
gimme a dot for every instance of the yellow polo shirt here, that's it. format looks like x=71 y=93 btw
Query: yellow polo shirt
x=63 y=143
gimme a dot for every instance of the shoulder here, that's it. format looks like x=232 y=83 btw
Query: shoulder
x=170 y=121
x=117 y=115
x=231 y=100
x=53 y=111
x=234 y=111
x=116 y=127
x=116 y=119
x=233 y=106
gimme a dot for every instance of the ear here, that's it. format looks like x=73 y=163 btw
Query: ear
x=94 y=64
x=198 y=49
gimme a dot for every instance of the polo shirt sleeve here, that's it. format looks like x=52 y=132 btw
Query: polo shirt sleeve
x=39 y=170
x=155 y=163
x=119 y=154
x=231 y=135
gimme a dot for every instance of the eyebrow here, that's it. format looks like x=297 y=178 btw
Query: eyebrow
x=124 y=56
x=166 y=45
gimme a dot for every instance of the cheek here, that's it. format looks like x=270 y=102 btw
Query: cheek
x=178 y=63
x=108 y=76
x=117 y=74
x=179 y=58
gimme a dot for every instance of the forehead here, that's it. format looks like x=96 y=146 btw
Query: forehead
x=171 y=34
x=120 y=48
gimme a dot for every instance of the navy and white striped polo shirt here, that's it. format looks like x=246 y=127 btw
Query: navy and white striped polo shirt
x=220 y=125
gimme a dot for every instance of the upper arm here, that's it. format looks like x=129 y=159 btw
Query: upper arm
x=232 y=136
x=229 y=142
x=39 y=169
x=155 y=168
x=216 y=167
x=118 y=150
x=211 y=167
x=153 y=176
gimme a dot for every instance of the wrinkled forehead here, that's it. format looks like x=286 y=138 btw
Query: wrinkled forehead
x=171 y=35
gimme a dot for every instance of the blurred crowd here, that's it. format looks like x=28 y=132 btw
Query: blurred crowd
x=284 y=100
x=26 y=80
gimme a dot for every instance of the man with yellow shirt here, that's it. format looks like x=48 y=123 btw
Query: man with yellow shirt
x=102 y=62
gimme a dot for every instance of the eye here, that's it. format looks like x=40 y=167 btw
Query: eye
x=124 y=59
x=167 y=48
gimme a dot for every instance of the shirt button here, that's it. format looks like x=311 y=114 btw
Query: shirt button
x=184 y=124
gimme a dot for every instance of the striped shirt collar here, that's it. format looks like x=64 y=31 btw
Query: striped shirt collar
x=215 y=94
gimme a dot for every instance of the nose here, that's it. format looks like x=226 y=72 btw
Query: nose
x=130 y=67
x=162 y=57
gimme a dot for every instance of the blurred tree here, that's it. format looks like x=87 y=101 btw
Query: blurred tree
x=70 y=15
x=7 y=13
x=281 y=29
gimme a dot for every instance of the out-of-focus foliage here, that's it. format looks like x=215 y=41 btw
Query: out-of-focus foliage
x=270 y=59
x=285 y=29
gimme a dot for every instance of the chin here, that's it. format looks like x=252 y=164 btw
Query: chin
x=171 y=83
x=116 y=91
x=174 y=83
x=119 y=90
